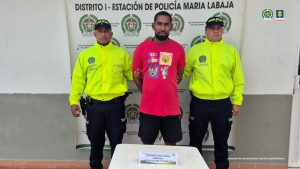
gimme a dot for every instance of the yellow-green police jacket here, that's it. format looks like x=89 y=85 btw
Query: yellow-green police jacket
x=216 y=71
x=101 y=73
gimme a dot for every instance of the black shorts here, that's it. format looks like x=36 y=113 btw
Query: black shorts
x=169 y=126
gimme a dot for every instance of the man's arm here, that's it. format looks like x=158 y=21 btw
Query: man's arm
x=128 y=66
x=236 y=109
x=137 y=67
x=137 y=78
x=238 y=82
x=181 y=65
x=75 y=109
x=189 y=64
x=180 y=74
x=78 y=83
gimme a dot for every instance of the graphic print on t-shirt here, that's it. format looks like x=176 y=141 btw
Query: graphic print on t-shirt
x=152 y=60
x=153 y=69
x=164 y=71
x=165 y=61
x=153 y=66
x=165 y=58
x=152 y=57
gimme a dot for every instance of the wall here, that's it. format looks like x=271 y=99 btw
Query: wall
x=37 y=127
x=34 y=47
x=270 y=48
x=36 y=123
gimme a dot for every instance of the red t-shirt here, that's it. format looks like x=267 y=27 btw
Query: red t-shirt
x=159 y=64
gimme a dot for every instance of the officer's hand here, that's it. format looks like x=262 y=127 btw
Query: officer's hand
x=236 y=109
x=75 y=109
x=138 y=74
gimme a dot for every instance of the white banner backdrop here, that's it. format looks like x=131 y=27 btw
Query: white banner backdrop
x=131 y=23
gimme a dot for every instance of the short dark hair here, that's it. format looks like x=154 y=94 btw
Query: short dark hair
x=163 y=13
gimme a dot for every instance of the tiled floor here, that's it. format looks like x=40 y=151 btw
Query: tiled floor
x=84 y=165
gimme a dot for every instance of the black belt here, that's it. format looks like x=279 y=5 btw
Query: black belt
x=116 y=100
x=194 y=97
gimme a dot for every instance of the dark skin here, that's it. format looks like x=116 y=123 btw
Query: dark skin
x=103 y=36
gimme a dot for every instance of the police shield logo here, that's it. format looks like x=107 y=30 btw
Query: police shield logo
x=132 y=113
x=198 y=39
x=202 y=59
x=279 y=15
x=115 y=42
x=267 y=14
x=131 y=25
x=178 y=25
x=91 y=60
x=227 y=20
x=87 y=24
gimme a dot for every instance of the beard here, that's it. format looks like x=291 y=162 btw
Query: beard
x=161 y=37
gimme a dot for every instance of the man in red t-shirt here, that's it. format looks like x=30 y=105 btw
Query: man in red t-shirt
x=161 y=62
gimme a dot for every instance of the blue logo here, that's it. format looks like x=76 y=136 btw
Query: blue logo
x=279 y=15
x=91 y=60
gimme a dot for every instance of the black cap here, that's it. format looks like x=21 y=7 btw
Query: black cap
x=214 y=21
x=102 y=23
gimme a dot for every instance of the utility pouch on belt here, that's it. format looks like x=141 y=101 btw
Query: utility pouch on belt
x=83 y=105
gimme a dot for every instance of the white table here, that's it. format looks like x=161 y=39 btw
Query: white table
x=126 y=156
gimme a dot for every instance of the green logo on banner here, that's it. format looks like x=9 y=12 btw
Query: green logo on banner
x=227 y=20
x=178 y=24
x=115 y=42
x=132 y=113
x=131 y=25
x=267 y=14
x=198 y=39
x=87 y=24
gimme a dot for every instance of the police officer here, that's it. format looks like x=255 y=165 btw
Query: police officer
x=216 y=85
x=101 y=72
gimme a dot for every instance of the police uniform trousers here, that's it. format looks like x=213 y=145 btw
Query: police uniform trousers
x=104 y=116
x=219 y=114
